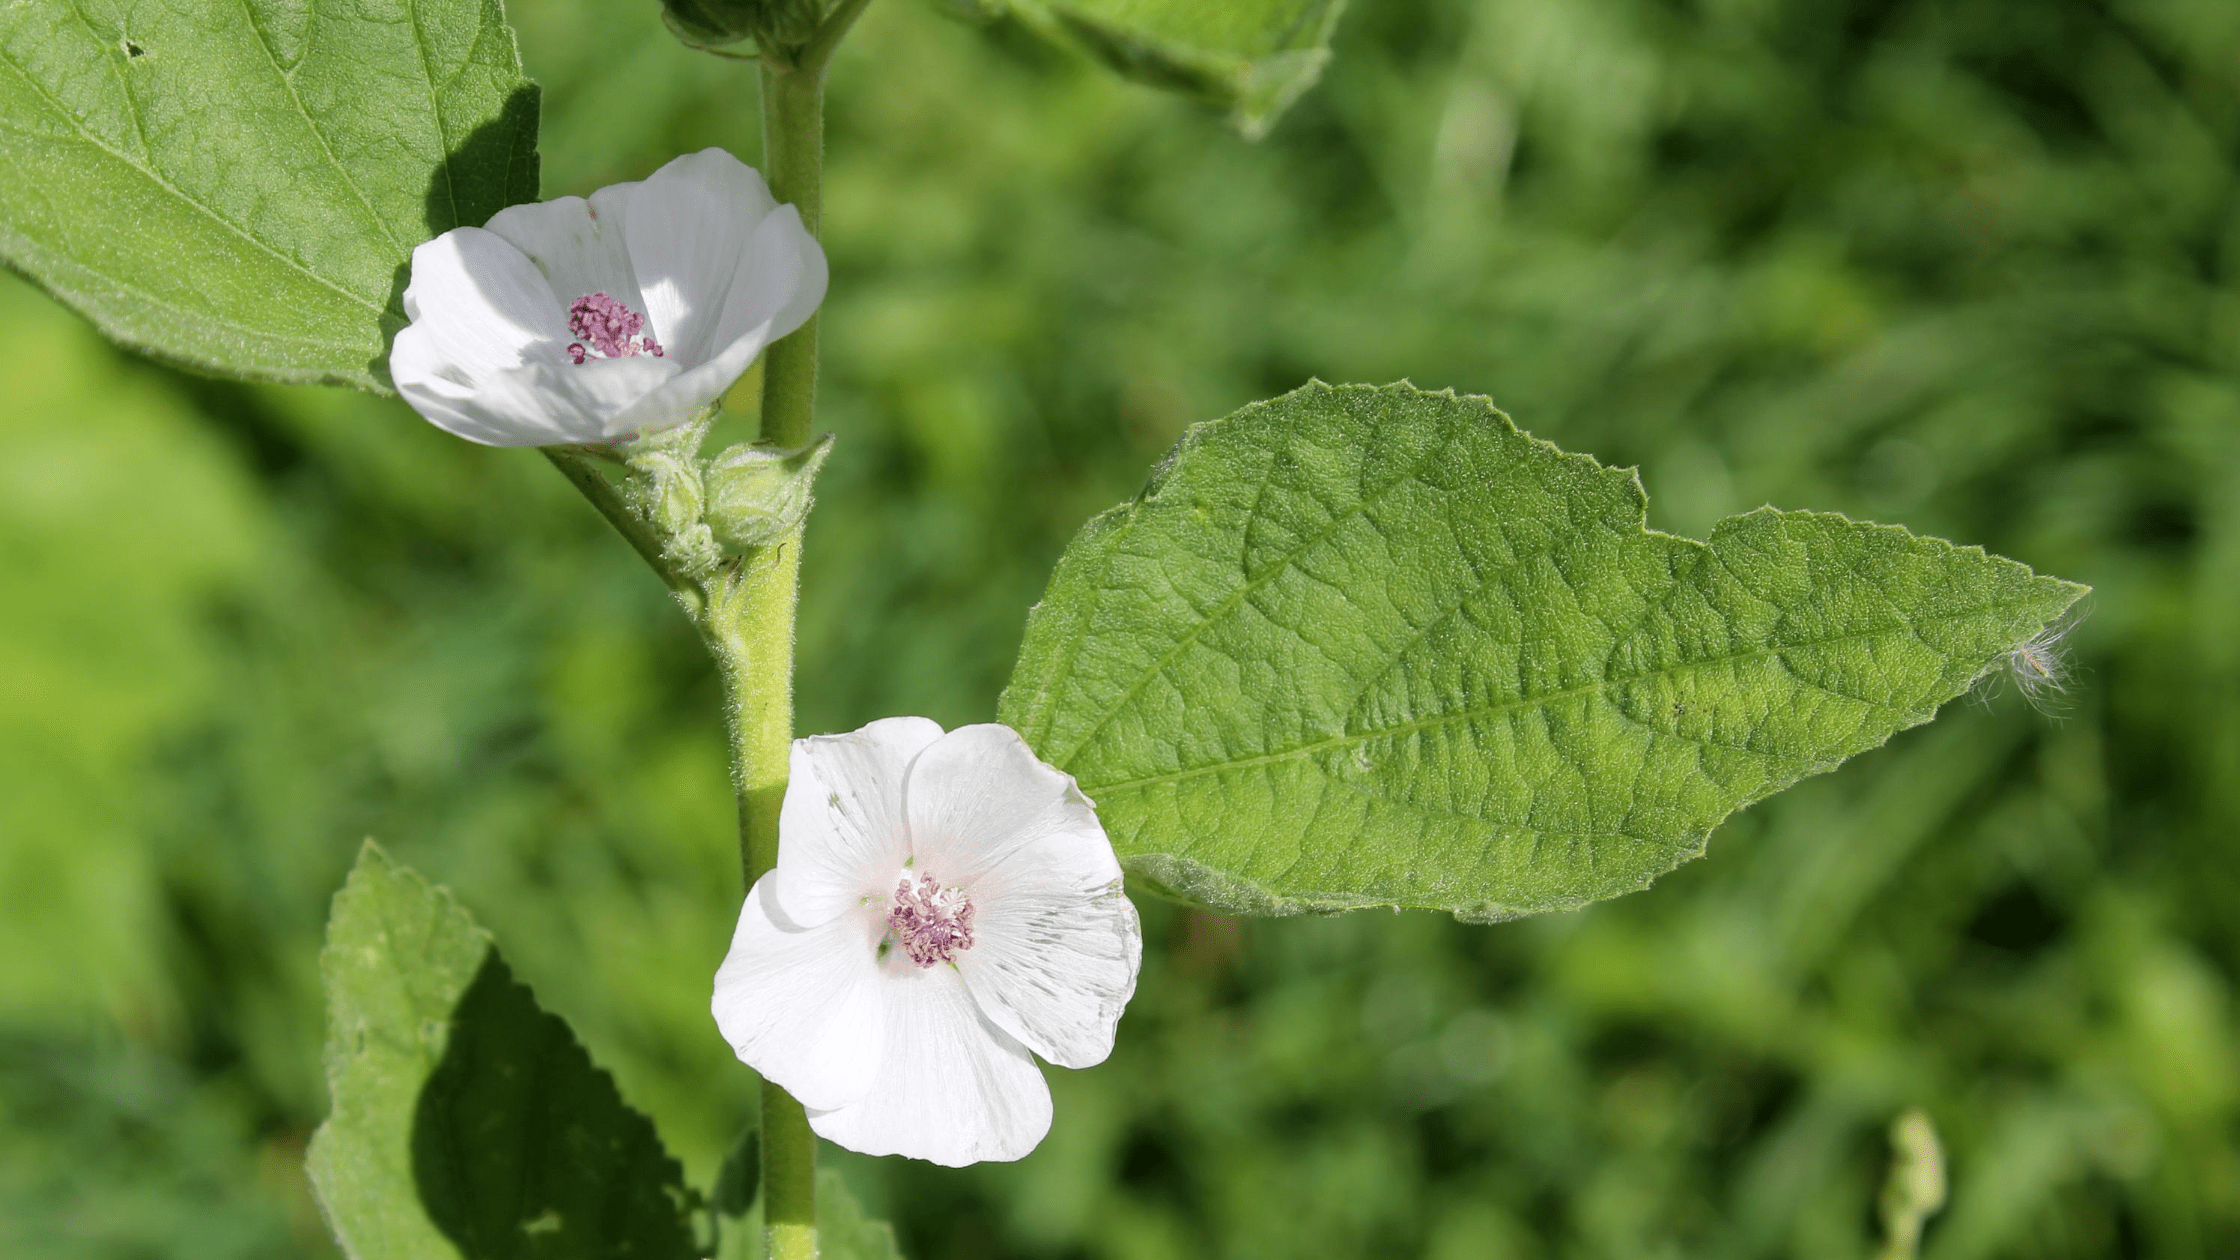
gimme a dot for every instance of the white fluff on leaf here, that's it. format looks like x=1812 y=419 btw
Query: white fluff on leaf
x=943 y=905
x=574 y=320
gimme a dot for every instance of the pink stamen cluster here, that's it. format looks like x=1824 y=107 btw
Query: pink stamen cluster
x=610 y=327
x=932 y=922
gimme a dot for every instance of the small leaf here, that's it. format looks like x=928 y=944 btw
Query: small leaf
x=238 y=187
x=466 y=1121
x=1251 y=57
x=1372 y=646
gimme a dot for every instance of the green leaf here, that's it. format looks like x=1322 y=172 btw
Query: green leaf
x=1251 y=57
x=468 y=1122
x=1372 y=646
x=238 y=186
x=843 y=1231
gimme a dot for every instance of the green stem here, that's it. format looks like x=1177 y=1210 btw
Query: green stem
x=759 y=670
x=746 y=611
x=583 y=473
x=793 y=162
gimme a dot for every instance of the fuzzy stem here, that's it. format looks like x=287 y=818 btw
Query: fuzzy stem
x=746 y=611
x=762 y=685
x=793 y=161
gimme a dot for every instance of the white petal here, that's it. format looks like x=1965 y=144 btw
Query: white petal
x=683 y=395
x=577 y=244
x=979 y=795
x=425 y=380
x=950 y=1087
x=540 y=403
x=481 y=305
x=611 y=393
x=781 y=278
x=841 y=830
x=803 y=1006
x=688 y=225
x=1054 y=954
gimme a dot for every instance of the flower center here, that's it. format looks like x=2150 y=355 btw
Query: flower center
x=605 y=328
x=932 y=922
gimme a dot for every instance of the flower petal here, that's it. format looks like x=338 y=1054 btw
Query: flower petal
x=682 y=396
x=1056 y=944
x=540 y=403
x=1055 y=954
x=979 y=795
x=803 y=1006
x=841 y=830
x=579 y=245
x=610 y=392
x=950 y=1087
x=781 y=278
x=483 y=304
x=688 y=225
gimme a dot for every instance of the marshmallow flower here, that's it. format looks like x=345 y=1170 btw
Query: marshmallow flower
x=942 y=905
x=594 y=321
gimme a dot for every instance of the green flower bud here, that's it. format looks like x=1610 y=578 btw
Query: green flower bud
x=758 y=494
x=772 y=24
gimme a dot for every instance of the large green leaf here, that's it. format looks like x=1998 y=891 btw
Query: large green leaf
x=1251 y=57
x=1363 y=646
x=466 y=1121
x=237 y=185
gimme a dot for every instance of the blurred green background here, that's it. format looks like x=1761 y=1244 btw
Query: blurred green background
x=1973 y=266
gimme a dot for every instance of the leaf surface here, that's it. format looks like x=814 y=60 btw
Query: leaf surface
x=1374 y=646
x=237 y=185
x=1251 y=57
x=466 y=1121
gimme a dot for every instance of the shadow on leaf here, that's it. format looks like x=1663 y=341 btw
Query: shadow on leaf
x=521 y=1147
x=494 y=167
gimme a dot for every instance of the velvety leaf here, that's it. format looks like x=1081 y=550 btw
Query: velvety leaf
x=466 y=1121
x=239 y=186
x=1373 y=646
x=1251 y=57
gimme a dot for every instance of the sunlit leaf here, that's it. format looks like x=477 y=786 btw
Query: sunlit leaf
x=238 y=186
x=1372 y=646
x=466 y=1121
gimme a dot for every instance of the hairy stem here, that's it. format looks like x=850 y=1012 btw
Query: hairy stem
x=761 y=690
x=745 y=608
x=583 y=473
x=793 y=162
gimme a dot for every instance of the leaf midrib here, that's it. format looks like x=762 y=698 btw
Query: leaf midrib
x=1351 y=738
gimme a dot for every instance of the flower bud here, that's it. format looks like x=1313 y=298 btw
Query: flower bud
x=758 y=494
x=772 y=24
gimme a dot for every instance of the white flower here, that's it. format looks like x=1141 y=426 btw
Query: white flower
x=942 y=905
x=592 y=321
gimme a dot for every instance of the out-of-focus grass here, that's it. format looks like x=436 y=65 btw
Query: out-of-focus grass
x=1965 y=265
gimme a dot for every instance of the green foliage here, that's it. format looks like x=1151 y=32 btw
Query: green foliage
x=1251 y=57
x=467 y=1122
x=1960 y=264
x=1362 y=646
x=238 y=187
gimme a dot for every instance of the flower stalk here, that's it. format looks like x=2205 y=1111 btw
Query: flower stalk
x=755 y=652
x=744 y=605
